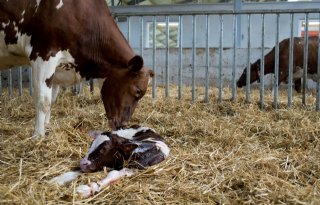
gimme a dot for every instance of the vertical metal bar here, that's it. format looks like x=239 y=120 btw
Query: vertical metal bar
x=10 y=82
x=167 y=56
x=30 y=81
x=248 y=60
x=234 y=88
x=0 y=83
x=220 y=58
x=141 y=36
x=262 y=64
x=305 y=59
x=91 y=83
x=193 y=57
x=276 y=65
x=206 y=96
x=20 y=80
x=180 y=57
x=154 y=47
x=318 y=73
x=290 y=62
x=128 y=29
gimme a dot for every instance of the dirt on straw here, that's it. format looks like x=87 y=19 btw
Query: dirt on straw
x=221 y=153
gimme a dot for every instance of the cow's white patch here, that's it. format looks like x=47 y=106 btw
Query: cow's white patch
x=59 y=5
x=96 y=142
x=43 y=70
x=23 y=12
x=21 y=21
x=38 y=2
x=4 y=25
x=161 y=145
x=129 y=133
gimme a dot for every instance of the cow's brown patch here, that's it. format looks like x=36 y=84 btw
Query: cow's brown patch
x=49 y=81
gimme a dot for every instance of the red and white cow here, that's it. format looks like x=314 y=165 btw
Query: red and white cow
x=125 y=151
x=49 y=34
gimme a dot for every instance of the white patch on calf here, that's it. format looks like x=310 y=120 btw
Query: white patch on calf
x=96 y=143
x=38 y=2
x=59 y=5
x=161 y=145
x=130 y=132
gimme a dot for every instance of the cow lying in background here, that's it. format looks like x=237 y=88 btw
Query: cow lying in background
x=298 y=51
x=125 y=151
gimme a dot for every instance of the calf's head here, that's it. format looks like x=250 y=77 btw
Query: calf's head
x=106 y=150
x=254 y=74
x=122 y=90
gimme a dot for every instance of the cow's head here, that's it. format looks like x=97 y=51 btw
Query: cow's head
x=106 y=150
x=254 y=74
x=122 y=91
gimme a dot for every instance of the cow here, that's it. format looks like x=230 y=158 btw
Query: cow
x=80 y=35
x=125 y=151
x=298 y=53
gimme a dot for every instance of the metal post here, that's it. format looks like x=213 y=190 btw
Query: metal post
x=91 y=83
x=318 y=73
x=0 y=83
x=193 y=57
x=20 y=80
x=220 y=58
x=234 y=88
x=290 y=62
x=276 y=65
x=167 y=56
x=305 y=60
x=30 y=81
x=141 y=35
x=248 y=61
x=262 y=64
x=206 y=97
x=154 y=23
x=180 y=57
x=128 y=29
x=10 y=82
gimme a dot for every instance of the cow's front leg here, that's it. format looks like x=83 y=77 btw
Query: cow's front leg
x=43 y=72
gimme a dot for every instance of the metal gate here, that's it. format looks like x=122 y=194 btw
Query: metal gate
x=204 y=33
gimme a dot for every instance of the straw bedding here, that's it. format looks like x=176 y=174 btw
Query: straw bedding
x=221 y=153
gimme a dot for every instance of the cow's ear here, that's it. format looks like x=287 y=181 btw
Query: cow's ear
x=94 y=134
x=135 y=64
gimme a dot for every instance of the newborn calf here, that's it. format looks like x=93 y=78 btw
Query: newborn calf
x=133 y=148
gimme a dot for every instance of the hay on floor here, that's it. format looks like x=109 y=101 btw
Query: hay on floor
x=221 y=153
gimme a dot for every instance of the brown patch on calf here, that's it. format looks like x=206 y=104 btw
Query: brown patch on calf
x=49 y=81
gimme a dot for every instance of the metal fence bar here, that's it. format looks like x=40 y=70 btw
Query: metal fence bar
x=128 y=29
x=220 y=58
x=141 y=35
x=91 y=84
x=0 y=83
x=10 y=82
x=262 y=63
x=154 y=48
x=193 y=58
x=248 y=60
x=30 y=81
x=234 y=93
x=207 y=29
x=180 y=58
x=167 y=56
x=305 y=59
x=290 y=62
x=318 y=73
x=20 y=80
x=201 y=10
x=276 y=65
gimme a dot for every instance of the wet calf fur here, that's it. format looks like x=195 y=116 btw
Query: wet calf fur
x=136 y=147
